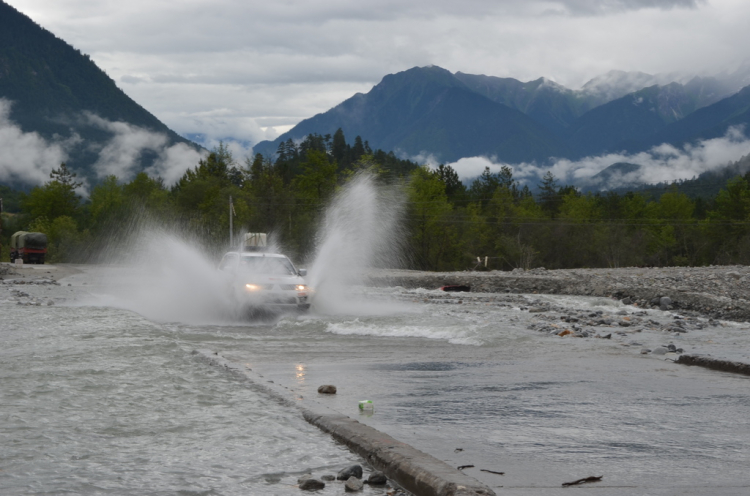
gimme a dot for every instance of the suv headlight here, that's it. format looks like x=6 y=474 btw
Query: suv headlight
x=252 y=287
x=300 y=287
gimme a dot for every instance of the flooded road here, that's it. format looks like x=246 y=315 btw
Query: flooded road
x=98 y=400
x=101 y=393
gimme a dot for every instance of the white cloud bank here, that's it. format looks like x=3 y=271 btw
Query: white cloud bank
x=29 y=158
x=26 y=157
x=663 y=163
x=121 y=155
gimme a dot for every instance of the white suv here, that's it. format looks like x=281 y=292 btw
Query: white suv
x=266 y=281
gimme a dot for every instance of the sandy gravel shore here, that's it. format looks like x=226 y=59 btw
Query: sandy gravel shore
x=33 y=272
x=715 y=291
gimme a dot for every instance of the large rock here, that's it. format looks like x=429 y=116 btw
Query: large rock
x=377 y=479
x=353 y=485
x=327 y=389
x=353 y=471
x=665 y=303
x=311 y=485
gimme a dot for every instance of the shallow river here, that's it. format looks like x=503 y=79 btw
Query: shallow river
x=101 y=394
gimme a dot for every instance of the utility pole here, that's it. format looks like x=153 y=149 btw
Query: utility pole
x=231 y=231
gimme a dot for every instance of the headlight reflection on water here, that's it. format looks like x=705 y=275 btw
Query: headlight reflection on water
x=300 y=373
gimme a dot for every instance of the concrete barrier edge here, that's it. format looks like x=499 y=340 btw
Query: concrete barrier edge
x=415 y=471
x=714 y=364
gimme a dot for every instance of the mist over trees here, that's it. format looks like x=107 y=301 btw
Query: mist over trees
x=493 y=223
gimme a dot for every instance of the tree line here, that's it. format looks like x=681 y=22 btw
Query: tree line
x=493 y=223
x=497 y=222
x=284 y=196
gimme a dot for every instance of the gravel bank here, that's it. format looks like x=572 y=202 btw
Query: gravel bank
x=720 y=292
x=11 y=272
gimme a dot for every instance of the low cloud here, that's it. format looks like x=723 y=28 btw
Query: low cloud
x=173 y=161
x=587 y=7
x=663 y=163
x=432 y=161
x=27 y=157
x=121 y=155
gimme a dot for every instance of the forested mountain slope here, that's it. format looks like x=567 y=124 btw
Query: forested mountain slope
x=52 y=85
x=708 y=122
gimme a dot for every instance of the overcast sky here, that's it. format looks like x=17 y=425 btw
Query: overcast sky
x=252 y=69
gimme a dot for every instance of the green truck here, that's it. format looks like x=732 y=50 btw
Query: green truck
x=31 y=247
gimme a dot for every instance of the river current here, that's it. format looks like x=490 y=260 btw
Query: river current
x=101 y=393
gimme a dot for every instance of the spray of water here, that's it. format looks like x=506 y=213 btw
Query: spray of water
x=165 y=275
x=360 y=233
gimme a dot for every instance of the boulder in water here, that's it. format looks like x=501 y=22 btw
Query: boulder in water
x=377 y=479
x=353 y=471
x=311 y=484
x=353 y=485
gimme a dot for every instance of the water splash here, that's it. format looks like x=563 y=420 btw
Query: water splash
x=361 y=232
x=167 y=276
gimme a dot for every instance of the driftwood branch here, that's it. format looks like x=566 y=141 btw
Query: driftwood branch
x=583 y=481
x=491 y=471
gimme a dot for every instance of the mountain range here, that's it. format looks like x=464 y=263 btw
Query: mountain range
x=423 y=113
x=428 y=111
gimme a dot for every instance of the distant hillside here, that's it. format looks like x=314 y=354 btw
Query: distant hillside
x=428 y=110
x=617 y=176
x=550 y=104
x=709 y=122
x=51 y=85
x=635 y=116
x=705 y=186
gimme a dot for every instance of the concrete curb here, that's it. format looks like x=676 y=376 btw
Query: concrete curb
x=415 y=471
x=714 y=364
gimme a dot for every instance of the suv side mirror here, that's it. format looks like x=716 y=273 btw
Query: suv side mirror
x=302 y=272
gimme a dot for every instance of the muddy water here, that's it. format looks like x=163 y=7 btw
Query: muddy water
x=101 y=394
x=98 y=400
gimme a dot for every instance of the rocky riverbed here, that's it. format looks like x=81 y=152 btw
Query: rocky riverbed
x=718 y=292
x=16 y=280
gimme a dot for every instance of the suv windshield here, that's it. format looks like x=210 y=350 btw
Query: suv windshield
x=267 y=265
